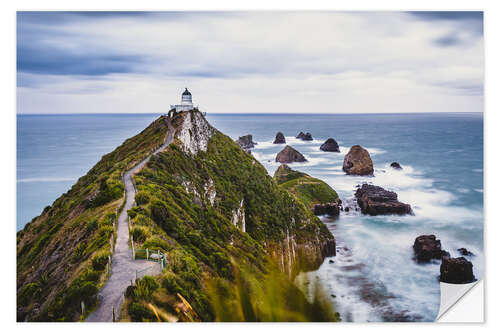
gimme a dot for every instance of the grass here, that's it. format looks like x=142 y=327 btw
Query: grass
x=204 y=248
x=305 y=188
x=65 y=246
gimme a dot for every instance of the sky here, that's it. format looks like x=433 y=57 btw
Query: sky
x=250 y=62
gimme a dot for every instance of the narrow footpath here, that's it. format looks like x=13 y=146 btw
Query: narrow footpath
x=124 y=267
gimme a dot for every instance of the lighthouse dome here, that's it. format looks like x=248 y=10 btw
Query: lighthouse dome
x=186 y=92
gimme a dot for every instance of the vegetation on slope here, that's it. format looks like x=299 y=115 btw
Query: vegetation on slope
x=309 y=190
x=226 y=227
x=62 y=254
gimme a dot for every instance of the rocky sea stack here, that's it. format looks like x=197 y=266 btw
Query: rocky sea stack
x=358 y=162
x=246 y=142
x=463 y=251
x=305 y=137
x=375 y=200
x=280 y=138
x=330 y=145
x=456 y=270
x=396 y=165
x=290 y=155
x=427 y=247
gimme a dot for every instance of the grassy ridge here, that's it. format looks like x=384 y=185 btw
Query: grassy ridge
x=62 y=254
x=309 y=190
x=220 y=271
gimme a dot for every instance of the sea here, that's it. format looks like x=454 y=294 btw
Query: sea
x=373 y=277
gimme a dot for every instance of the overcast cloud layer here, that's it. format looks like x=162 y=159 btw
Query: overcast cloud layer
x=330 y=62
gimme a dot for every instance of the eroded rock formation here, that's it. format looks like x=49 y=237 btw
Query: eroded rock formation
x=358 y=162
x=375 y=200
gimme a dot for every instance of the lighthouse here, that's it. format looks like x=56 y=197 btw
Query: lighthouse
x=186 y=102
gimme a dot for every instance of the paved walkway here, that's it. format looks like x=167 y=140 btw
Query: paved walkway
x=124 y=268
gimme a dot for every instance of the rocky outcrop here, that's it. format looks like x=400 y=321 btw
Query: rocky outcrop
x=306 y=137
x=463 y=251
x=331 y=209
x=195 y=132
x=280 y=138
x=375 y=200
x=295 y=257
x=358 y=162
x=238 y=218
x=427 y=247
x=246 y=142
x=290 y=155
x=396 y=165
x=456 y=270
x=330 y=145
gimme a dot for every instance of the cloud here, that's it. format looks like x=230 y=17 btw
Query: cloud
x=269 y=61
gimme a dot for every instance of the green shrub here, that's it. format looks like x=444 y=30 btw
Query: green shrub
x=222 y=264
x=139 y=312
x=139 y=233
x=141 y=198
x=144 y=288
x=78 y=253
x=92 y=226
x=171 y=284
x=150 y=282
x=29 y=291
x=100 y=260
x=156 y=243
x=108 y=219
x=108 y=191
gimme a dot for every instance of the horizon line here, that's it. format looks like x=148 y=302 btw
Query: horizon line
x=242 y=113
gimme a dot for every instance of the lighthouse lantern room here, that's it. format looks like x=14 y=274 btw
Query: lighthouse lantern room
x=186 y=102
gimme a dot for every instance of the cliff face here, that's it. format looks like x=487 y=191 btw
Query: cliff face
x=215 y=204
x=62 y=254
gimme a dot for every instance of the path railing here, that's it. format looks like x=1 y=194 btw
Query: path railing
x=150 y=255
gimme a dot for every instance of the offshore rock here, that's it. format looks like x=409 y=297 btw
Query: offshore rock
x=358 y=162
x=427 y=247
x=330 y=145
x=396 y=165
x=463 y=251
x=375 y=200
x=306 y=137
x=246 y=142
x=456 y=270
x=280 y=138
x=289 y=155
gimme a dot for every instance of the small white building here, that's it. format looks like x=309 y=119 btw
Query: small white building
x=186 y=102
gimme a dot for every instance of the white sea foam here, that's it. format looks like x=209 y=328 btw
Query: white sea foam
x=382 y=245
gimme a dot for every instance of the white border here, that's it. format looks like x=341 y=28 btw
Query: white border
x=8 y=135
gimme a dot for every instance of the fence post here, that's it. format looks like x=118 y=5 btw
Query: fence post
x=83 y=308
x=133 y=248
x=147 y=254
x=113 y=314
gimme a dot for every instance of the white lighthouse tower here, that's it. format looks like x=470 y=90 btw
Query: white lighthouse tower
x=186 y=102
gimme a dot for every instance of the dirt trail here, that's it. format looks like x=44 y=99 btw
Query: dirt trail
x=124 y=267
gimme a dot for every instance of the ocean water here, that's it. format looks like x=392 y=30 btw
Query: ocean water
x=373 y=276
